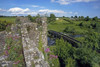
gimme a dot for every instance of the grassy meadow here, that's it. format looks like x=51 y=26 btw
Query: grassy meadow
x=9 y=19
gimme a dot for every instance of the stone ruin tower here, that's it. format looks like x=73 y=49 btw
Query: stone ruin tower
x=31 y=33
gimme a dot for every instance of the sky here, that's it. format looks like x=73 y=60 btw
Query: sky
x=60 y=8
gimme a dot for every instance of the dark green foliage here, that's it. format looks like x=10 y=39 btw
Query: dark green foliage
x=71 y=16
x=33 y=19
x=52 y=18
x=38 y=15
x=66 y=19
x=65 y=52
x=92 y=40
x=87 y=54
x=63 y=16
x=81 y=24
x=82 y=17
x=87 y=18
x=93 y=25
x=86 y=57
x=95 y=18
x=97 y=27
x=75 y=17
x=76 y=57
x=69 y=30
x=4 y=24
x=30 y=17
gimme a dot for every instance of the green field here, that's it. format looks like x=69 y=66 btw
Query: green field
x=9 y=19
x=58 y=25
x=5 y=21
x=61 y=24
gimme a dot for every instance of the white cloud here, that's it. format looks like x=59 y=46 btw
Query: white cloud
x=65 y=2
x=20 y=11
x=27 y=11
x=52 y=11
x=17 y=9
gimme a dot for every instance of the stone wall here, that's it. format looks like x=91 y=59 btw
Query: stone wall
x=30 y=38
x=44 y=32
x=2 y=41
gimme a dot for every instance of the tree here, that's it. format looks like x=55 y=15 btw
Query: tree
x=82 y=17
x=87 y=18
x=71 y=16
x=30 y=17
x=63 y=16
x=79 y=18
x=75 y=16
x=52 y=18
x=95 y=18
x=38 y=15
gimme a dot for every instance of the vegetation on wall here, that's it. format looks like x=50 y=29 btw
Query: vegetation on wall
x=49 y=54
x=14 y=49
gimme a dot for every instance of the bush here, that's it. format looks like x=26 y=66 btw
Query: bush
x=4 y=24
x=76 y=57
x=30 y=17
x=52 y=18
x=95 y=18
x=69 y=30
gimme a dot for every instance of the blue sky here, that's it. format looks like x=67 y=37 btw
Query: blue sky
x=58 y=7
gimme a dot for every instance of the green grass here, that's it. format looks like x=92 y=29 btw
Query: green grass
x=73 y=26
x=61 y=24
x=58 y=25
x=9 y=19
x=5 y=21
